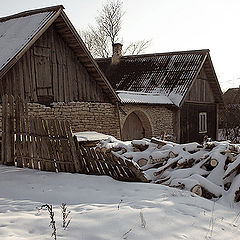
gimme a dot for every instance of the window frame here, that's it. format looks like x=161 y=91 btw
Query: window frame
x=203 y=122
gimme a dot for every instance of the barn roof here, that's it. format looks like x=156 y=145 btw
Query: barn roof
x=232 y=96
x=170 y=74
x=20 y=31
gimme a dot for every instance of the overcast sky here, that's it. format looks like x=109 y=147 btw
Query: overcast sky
x=172 y=25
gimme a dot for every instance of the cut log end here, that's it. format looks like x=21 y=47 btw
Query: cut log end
x=213 y=162
x=197 y=189
x=142 y=162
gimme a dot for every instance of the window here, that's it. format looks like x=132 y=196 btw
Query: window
x=202 y=122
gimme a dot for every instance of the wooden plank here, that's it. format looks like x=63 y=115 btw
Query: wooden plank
x=9 y=132
x=33 y=76
x=4 y=130
x=79 y=155
x=92 y=162
x=49 y=147
x=18 y=151
x=21 y=89
x=34 y=146
x=86 y=157
x=73 y=147
x=103 y=163
x=53 y=145
x=63 y=147
x=98 y=163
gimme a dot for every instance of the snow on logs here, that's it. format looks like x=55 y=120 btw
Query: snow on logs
x=207 y=170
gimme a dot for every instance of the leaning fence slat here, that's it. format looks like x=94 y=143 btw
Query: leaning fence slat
x=52 y=146
x=73 y=147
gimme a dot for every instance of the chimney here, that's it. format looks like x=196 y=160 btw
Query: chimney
x=117 y=53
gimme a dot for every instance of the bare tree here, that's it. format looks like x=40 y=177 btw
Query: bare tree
x=137 y=47
x=100 y=38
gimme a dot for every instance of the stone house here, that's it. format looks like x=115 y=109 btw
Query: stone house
x=45 y=62
x=177 y=93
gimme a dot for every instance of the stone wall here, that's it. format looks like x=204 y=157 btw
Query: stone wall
x=155 y=118
x=83 y=116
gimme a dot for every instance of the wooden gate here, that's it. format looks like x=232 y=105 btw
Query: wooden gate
x=133 y=128
x=36 y=143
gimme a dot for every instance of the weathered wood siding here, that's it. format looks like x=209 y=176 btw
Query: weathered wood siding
x=200 y=99
x=189 y=123
x=49 y=71
x=201 y=90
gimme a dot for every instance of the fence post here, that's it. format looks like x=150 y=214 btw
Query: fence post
x=4 y=120
x=8 y=130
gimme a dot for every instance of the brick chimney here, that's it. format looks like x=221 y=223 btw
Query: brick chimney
x=117 y=53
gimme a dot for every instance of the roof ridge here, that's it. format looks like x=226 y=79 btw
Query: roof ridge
x=159 y=54
x=31 y=12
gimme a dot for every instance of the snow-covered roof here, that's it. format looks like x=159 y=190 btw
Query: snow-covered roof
x=171 y=74
x=17 y=32
x=140 y=97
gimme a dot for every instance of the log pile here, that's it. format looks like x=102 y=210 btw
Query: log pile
x=207 y=169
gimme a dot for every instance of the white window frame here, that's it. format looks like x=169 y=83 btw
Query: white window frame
x=202 y=122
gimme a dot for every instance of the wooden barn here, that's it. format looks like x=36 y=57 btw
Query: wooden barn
x=177 y=93
x=44 y=61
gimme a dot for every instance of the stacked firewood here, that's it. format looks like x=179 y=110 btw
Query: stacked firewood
x=210 y=170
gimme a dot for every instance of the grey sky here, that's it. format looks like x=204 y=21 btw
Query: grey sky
x=173 y=25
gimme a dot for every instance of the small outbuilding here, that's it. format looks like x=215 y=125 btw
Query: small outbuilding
x=45 y=62
x=176 y=93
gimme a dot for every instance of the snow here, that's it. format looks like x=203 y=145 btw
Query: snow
x=90 y=136
x=16 y=33
x=176 y=98
x=102 y=208
x=141 y=97
x=182 y=165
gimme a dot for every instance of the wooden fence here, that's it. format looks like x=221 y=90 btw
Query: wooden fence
x=36 y=143
x=100 y=163
x=49 y=145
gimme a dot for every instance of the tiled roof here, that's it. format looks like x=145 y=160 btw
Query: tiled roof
x=169 y=74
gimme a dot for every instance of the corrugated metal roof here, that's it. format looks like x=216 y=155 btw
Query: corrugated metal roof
x=170 y=74
x=140 y=97
x=15 y=34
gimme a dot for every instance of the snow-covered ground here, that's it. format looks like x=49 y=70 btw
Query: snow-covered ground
x=102 y=208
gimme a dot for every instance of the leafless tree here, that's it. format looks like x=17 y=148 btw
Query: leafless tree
x=100 y=38
x=137 y=47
